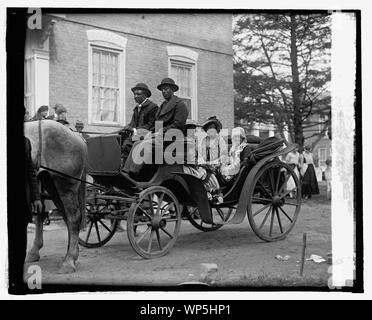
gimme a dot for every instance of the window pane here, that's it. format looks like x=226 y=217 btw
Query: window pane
x=264 y=134
x=105 y=80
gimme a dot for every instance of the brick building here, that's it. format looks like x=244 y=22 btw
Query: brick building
x=89 y=62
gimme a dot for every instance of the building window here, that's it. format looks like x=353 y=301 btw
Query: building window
x=105 y=86
x=36 y=73
x=183 y=70
x=264 y=134
x=106 y=78
x=322 y=156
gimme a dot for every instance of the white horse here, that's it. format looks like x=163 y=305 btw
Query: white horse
x=56 y=147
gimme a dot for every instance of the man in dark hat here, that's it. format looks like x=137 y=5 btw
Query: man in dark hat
x=173 y=111
x=143 y=118
x=41 y=113
x=172 y=114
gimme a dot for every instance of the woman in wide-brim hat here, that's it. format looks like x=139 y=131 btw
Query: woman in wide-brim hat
x=168 y=82
x=212 y=121
x=143 y=87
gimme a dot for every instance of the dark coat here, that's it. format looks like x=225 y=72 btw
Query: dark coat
x=146 y=117
x=32 y=187
x=173 y=113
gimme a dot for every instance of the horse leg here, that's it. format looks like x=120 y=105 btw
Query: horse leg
x=33 y=255
x=73 y=220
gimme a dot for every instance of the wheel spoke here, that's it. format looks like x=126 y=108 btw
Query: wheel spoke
x=143 y=235
x=142 y=223
x=285 y=214
x=106 y=227
x=287 y=193
x=145 y=212
x=264 y=220
x=277 y=181
x=271 y=178
x=284 y=183
x=167 y=233
x=261 y=199
x=279 y=221
x=195 y=209
x=264 y=188
x=97 y=230
x=166 y=208
x=158 y=237
x=262 y=209
x=151 y=204
x=171 y=220
x=150 y=240
x=220 y=213
x=89 y=231
x=272 y=222
x=160 y=200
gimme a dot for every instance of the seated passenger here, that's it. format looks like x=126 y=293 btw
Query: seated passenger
x=232 y=166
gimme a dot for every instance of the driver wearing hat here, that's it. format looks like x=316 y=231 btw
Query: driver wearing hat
x=143 y=117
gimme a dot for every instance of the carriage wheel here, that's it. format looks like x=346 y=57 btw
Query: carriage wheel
x=219 y=217
x=154 y=222
x=271 y=212
x=98 y=230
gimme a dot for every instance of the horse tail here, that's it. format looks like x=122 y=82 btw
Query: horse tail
x=81 y=199
x=82 y=189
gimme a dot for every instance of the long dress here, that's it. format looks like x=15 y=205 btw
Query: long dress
x=293 y=160
x=309 y=181
x=232 y=167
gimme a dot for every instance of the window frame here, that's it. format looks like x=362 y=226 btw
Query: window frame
x=110 y=42
x=319 y=158
x=186 y=57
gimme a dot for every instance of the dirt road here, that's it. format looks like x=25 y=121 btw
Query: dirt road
x=241 y=257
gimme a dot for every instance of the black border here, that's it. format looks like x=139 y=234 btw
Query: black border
x=15 y=39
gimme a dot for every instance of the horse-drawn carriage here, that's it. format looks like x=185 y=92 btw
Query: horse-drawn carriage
x=155 y=205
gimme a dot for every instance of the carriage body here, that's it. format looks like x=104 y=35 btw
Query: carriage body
x=154 y=206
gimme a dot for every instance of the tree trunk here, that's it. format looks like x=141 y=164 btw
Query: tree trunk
x=296 y=86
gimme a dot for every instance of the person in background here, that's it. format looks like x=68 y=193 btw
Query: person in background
x=309 y=181
x=54 y=115
x=79 y=126
x=293 y=160
x=232 y=165
x=41 y=113
x=328 y=178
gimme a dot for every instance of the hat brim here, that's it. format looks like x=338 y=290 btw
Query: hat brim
x=174 y=86
x=209 y=122
x=192 y=125
x=143 y=89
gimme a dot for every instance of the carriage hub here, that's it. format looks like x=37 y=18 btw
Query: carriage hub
x=158 y=222
x=277 y=201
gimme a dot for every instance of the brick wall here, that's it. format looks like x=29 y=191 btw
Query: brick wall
x=146 y=60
